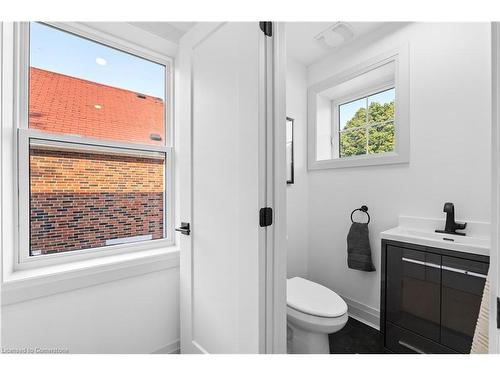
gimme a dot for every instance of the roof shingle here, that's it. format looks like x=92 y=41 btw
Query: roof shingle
x=62 y=104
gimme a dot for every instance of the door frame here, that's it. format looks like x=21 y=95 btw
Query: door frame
x=272 y=268
x=494 y=335
x=277 y=331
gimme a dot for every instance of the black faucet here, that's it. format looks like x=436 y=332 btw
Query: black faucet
x=451 y=226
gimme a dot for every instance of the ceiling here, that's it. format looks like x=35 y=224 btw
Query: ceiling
x=172 y=31
x=301 y=43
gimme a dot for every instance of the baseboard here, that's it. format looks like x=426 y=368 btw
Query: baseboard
x=172 y=348
x=365 y=314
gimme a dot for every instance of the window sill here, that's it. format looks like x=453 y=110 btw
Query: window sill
x=29 y=284
x=360 y=161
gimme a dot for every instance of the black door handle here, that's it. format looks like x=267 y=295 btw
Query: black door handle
x=185 y=229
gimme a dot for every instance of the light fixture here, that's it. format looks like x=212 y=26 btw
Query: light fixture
x=97 y=106
x=336 y=35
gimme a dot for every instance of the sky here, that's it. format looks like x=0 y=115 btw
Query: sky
x=348 y=110
x=65 y=53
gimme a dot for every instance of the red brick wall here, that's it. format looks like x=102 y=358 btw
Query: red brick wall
x=79 y=200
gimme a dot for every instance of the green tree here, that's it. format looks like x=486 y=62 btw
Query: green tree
x=380 y=137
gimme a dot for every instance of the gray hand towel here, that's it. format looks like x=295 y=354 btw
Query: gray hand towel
x=359 y=253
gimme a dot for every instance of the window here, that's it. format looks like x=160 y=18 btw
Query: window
x=360 y=116
x=366 y=125
x=95 y=165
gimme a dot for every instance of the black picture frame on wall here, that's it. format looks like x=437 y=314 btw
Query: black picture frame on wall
x=290 y=173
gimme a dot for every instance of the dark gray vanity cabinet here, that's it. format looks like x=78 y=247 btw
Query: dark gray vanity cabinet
x=414 y=289
x=430 y=298
x=461 y=295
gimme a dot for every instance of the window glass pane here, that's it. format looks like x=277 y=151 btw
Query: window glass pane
x=381 y=138
x=86 y=199
x=381 y=106
x=352 y=114
x=80 y=87
x=353 y=142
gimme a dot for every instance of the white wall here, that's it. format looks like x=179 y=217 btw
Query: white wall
x=450 y=124
x=297 y=197
x=133 y=33
x=133 y=315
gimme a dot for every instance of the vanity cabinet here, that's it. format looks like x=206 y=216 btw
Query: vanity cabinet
x=461 y=294
x=430 y=298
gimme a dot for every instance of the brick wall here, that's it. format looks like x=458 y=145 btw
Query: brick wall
x=79 y=200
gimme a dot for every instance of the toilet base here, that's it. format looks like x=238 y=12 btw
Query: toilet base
x=306 y=342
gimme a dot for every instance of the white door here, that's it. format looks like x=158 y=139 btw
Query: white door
x=221 y=121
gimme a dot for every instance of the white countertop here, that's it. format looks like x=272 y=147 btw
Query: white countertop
x=421 y=231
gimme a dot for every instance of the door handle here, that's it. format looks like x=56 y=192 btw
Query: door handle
x=185 y=229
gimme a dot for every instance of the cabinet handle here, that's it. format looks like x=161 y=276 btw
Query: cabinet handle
x=446 y=268
x=411 y=347
x=464 y=272
x=422 y=263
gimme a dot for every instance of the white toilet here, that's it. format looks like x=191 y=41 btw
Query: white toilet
x=313 y=311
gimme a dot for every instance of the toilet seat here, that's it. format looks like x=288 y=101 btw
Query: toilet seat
x=314 y=299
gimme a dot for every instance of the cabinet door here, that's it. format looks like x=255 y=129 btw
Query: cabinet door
x=413 y=294
x=462 y=291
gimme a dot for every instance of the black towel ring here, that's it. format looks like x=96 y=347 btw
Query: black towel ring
x=362 y=209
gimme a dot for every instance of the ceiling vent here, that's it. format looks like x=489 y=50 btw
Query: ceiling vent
x=335 y=36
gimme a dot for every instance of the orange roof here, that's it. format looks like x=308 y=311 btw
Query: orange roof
x=64 y=104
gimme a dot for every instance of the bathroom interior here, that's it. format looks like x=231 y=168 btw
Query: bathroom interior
x=387 y=152
x=395 y=285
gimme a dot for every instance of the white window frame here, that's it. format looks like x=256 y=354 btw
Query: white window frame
x=22 y=258
x=401 y=154
x=336 y=103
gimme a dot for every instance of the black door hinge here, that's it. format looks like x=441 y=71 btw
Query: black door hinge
x=266 y=216
x=498 y=312
x=267 y=28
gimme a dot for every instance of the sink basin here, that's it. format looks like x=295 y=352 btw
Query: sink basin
x=414 y=230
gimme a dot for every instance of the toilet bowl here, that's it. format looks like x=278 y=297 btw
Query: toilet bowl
x=313 y=312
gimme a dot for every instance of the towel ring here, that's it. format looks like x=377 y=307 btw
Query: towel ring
x=362 y=209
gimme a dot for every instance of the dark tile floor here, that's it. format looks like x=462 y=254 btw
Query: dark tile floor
x=356 y=338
